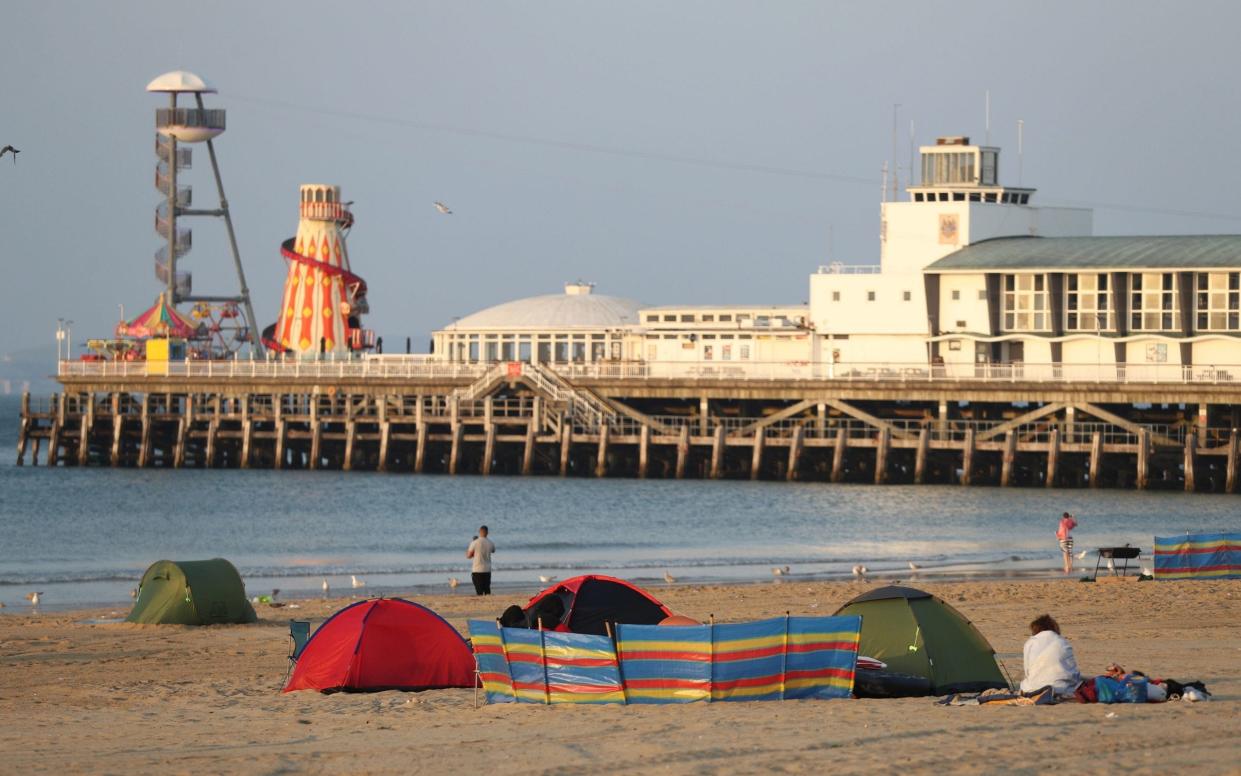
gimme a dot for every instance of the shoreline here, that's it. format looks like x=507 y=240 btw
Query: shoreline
x=970 y=572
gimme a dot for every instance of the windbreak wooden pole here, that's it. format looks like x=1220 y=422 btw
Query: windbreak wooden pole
x=784 y=655
x=616 y=657
x=711 y=658
x=507 y=668
x=547 y=693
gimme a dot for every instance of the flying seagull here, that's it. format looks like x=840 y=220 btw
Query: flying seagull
x=10 y=149
x=440 y=206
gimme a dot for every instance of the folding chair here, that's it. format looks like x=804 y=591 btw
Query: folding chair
x=299 y=632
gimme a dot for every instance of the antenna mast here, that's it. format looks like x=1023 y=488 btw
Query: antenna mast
x=896 y=170
x=987 y=100
x=1021 y=127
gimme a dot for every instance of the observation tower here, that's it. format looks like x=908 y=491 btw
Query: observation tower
x=323 y=299
x=177 y=125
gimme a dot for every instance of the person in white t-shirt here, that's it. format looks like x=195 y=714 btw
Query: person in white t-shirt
x=1048 y=659
x=480 y=552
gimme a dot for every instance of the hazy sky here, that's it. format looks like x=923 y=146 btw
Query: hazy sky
x=674 y=152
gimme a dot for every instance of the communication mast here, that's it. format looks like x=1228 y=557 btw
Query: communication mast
x=175 y=125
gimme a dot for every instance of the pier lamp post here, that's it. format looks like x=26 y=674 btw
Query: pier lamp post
x=68 y=340
x=60 y=336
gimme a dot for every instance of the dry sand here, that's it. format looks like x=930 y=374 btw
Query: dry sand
x=117 y=698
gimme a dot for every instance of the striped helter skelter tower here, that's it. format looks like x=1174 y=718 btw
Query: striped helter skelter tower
x=323 y=299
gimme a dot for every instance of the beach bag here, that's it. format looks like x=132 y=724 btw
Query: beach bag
x=1132 y=689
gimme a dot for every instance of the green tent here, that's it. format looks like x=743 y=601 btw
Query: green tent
x=930 y=648
x=191 y=592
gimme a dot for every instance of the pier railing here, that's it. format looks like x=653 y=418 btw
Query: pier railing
x=705 y=371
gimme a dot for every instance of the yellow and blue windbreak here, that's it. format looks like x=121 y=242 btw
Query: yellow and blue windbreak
x=777 y=659
x=780 y=658
x=1198 y=556
x=545 y=666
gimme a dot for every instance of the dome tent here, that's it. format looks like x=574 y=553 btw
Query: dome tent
x=383 y=644
x=585 y=604
x=191 y=592
x=930 y=648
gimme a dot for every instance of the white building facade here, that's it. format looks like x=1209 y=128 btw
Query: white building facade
x=972 y=278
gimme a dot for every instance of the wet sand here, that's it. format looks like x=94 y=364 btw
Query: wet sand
x=80 y=697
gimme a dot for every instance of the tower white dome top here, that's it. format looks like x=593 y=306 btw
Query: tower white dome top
x=180 y=81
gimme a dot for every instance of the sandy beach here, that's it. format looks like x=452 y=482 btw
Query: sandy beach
x=109 y=698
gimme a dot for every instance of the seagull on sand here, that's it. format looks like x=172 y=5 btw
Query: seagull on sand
x=325 y=587
x=669 y=578
x=1081 y=554
x=779 y=571
x=8 y=149
x=440 y=206
x=859 y=572
x=913 y=566
x=453 y=582
x=33 y=598
x=133 y=593
x=356 y=582
x=546 y=579
x=275 y=593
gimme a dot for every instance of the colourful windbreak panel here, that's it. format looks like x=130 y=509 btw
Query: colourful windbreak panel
x=665 y=664
x=1198 y=556
x=545 y=666
x=784 y=658
x=488 y=646
x=777 y=659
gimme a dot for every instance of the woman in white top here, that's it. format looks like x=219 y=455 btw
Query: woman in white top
x=1048 y=659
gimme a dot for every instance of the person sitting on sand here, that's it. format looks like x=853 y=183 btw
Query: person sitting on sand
x=1048 y=659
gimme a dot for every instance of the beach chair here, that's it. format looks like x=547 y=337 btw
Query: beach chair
x=299 y=633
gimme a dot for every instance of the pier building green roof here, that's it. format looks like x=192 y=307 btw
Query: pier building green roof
x=1212 y=251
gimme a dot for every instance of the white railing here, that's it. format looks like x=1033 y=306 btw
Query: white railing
x=292 y=369
x=721 y=371
x=836 y=268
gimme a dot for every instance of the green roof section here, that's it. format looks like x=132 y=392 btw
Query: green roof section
x=1212 y=251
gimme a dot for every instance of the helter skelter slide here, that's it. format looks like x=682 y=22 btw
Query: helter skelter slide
x=320 y=312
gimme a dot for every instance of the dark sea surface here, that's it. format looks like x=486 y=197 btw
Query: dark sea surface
x=84 y=536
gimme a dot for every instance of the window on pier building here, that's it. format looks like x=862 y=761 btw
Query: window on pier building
x=1153 y=302
x=1218 y=301
x=1025 y=303
x=1087 y=301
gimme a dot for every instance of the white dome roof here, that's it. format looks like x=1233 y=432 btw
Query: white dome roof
x=180 y=81
x=573 y=309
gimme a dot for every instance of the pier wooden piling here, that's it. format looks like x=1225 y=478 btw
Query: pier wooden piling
x=532 y=422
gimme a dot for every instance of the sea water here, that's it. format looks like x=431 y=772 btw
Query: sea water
x=84 y=536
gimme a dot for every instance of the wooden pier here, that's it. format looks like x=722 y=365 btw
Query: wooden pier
x=522 y=419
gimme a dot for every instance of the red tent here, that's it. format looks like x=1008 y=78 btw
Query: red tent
x=383 y=644
x=584 y=604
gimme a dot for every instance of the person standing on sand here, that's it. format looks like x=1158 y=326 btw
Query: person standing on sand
x=480 y=552
x=1065 y=534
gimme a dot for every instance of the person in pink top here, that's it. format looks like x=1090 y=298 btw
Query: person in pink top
x=1065 y=534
